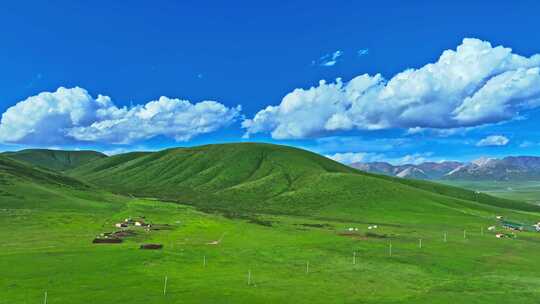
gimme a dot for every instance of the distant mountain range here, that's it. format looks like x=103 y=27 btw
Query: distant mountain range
x=512 y=168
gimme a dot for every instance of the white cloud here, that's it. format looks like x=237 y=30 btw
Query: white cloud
x=473 y=85
x=365 y=157
x=493 y=140
x=358 y=143
x=350 y=157
x=528 y=144
x=415 y=159
x=439 y=132
x=362 y=52
x=329 y=60
x=69 y=115
x=127 y=149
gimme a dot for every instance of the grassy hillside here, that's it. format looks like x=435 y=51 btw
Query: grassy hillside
x=274 y=179
x=12 y=170
x=55 y=159
x=23 y=186
x=49 y=220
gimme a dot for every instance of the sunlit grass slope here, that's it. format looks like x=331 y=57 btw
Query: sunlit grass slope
x=50 y=250
x=275 y=179
x=49 y=220
x=57 y=160
x=24 y=186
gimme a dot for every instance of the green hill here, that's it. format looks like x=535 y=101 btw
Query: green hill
x=57 y=160
x=12 y=170
x=274 y=179
x=24 y=186
x=283 y=236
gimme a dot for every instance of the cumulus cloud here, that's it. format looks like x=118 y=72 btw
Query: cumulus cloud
x=126 y=149
x=415 y=159
x=475 y=84
x=329 y=60
x=358 y=143
x=69 y=115
x=350 y=157
x=366 y=157
x=493 y=140
x=439 y=132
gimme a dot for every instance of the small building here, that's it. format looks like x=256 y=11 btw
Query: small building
x=499 y=235
x=499 y=217
x=120 y=225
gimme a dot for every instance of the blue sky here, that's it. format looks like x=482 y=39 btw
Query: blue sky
x=220 y=65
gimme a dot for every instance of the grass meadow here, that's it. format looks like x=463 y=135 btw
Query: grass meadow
x=49 y=250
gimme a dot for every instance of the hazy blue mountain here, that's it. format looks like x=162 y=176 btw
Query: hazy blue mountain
x=507 y=169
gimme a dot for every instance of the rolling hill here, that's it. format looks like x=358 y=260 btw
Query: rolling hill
x=282 y=210
x=25 y=186
x=12 y=170
x=273 y=179
x=57 y=160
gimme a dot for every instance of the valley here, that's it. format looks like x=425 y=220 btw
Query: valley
x=528 y=191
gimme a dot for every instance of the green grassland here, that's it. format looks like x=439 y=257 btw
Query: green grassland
x=55 y=159
x=271 y=179
x=528 y=191
x=268 y=227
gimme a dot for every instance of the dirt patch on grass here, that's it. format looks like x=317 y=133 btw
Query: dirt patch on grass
x=151 y=246
x=107 y=241
x=376 y=235
x=353 y=235
x=161 y=227
x=123 y=233
x=363 y=236
x=323 y=225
